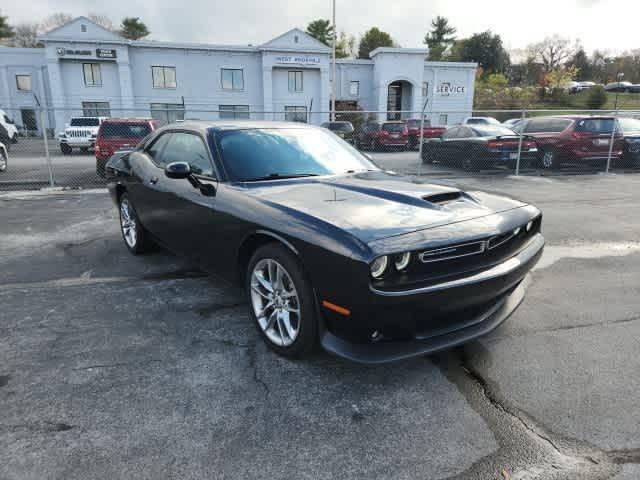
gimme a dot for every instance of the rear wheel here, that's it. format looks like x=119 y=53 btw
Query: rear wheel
x=281 y=301
x=549 y=159
x=65 y=149
x=3 y=161
x=133 y=233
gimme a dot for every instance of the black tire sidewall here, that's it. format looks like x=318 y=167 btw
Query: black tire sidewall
x=308 y=333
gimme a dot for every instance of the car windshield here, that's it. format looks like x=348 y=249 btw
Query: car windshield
x=629 y=124
x=392 y=127
x=493 y=131
x=482 y=120
x=125 y=130
x=85 y=122
x=339 y=126
x=258 y=154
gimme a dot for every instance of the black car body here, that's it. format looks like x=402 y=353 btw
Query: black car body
x=469 y=252
x=479 y=146
x=341 y=128
x=631 y=151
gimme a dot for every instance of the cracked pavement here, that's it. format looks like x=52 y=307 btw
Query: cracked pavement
x=114 y=366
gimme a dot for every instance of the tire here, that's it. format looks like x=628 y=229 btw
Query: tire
x=15 y=138
x=100 y=170
x=469 y=164
x=549 y=159
x=3 y=162
x=286 y=332
x=426 y=157
x=65 y=149
x=133 y=233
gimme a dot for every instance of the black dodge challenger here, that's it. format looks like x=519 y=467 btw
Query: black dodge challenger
x=373 y=265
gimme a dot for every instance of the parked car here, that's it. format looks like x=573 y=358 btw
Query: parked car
x=413 y=131
x=624 y=87
x=473 y=147
x=79 y=133
x=385 y=135
x=118 y=134
x=8 y=130
x=574 y=139
x=512 y=123
x=630 y=128
x=341 y=128
x=328 y=247
x=4 y=158
x=480 y=121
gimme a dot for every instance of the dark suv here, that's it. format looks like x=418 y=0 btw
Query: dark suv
x=341 y=128
x=376 y=136
x=573 y=139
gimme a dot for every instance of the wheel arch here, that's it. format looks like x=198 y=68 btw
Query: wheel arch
x=251 y=242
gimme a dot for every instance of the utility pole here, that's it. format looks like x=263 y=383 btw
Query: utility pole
x=333 y=67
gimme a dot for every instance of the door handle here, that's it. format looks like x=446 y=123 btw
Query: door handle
x=153 y=180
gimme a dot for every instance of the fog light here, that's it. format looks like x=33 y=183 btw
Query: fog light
x=379 y=266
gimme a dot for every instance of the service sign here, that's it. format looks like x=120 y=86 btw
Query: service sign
x=297 y=60
x=73 y=52
x=105 y=53
x=448 y=89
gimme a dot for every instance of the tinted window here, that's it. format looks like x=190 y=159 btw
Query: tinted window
x=451 y=133
x=339 y=126
x=85 y=122
x=125 y=130
x=546 y=125
x=370 y=127
x=187 y=147
x=156 y=148
x=595 y=125
x=392 y=127
x=492 y=131
x=251 y=154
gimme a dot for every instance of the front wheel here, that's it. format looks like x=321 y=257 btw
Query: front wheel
x=65 y=149
x=281 y=301
x=3 y=161
x=133 y=233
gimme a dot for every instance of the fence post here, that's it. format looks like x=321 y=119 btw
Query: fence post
x=612 y=139
x=520 y=142
x=424 y=108
x=43 y=123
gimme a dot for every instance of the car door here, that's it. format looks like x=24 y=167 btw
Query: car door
x=448 y=146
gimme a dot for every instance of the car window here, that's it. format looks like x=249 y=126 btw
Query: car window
x=451 y=133
x=547 y=125
x=392 y=127
x=124 y=130
x=629 y=124
x=85 y=122
x=339 y=126
x=188 y=147
x=595 y=125
x=493 y=130
x=156 y=148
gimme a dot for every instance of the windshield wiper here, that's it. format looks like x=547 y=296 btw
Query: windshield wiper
x=280 y=176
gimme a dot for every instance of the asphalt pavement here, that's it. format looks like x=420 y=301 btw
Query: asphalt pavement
x=115 y=366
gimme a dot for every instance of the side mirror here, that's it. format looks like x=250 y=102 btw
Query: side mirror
x=177 y=170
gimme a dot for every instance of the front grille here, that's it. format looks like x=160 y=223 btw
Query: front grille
x=454 y=251
x=78 y=134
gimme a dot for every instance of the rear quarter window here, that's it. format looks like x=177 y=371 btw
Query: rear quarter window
x=595 y=125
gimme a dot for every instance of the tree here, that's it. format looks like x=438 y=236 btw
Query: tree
x=133 y=29
x=321 y=30
x=582 y=64
x=561 y=76
x=6 y=31
x=597 y=97
x=372 y=39
x=553 y=51
x=441 y=36
x=102 y=20
x=345 y=46
x=26 y=36
x=53 y=21
x=484 y=48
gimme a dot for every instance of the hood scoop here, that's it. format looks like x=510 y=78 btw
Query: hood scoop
x=444 y=198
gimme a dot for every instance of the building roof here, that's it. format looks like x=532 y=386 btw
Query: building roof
x=378 y=50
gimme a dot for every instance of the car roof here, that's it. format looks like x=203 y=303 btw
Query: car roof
x=229 y=125
x=129 y=120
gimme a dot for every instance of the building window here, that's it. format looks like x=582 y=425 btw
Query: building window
x=164 y=77
x=444 y=119
x=425 y=89
x=167 y=112
x=23 y=82
x=295 y=114
x=232 y=79
x=234 y=112
x=83 y=28
x=354 y=88
x=295 y=81
x=96 y=109
x=92 y=74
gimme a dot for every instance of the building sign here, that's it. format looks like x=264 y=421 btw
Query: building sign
x=297 y=59
x=105 y=53
x=448 y=89
x=69 y=51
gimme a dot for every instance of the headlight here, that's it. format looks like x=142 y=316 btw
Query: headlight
x=402 y=260
x=379 y=266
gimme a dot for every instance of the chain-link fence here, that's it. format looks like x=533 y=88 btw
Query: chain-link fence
x=69 y=148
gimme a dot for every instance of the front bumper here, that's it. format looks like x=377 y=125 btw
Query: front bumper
x=437 y=317
x=77 y=142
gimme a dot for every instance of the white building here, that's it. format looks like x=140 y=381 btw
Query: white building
x=86 y=69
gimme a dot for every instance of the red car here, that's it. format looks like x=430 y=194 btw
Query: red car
x=117 y=134
x=413 y=130
x=573 y=139
x=377 y=136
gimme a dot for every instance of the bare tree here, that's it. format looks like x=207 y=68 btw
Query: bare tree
x=553 y=51
x=54 y=20
x=102 y=20
x=25 y=35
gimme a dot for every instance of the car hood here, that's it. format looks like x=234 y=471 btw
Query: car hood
x=376 y=205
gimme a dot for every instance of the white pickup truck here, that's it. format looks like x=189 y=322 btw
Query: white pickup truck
x=80 y=133
x=8 y=131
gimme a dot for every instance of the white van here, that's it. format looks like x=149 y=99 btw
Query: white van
x=8 y=131
x=4 y=158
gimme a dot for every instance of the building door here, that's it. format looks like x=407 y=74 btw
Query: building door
x=29 y=121
x=394 y=101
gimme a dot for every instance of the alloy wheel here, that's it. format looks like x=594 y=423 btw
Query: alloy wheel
x=128 y=223
x=275 y=302
x=3 y=162
x=547 y=159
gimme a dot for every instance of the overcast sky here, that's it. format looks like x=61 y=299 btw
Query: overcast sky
x=601 y=24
